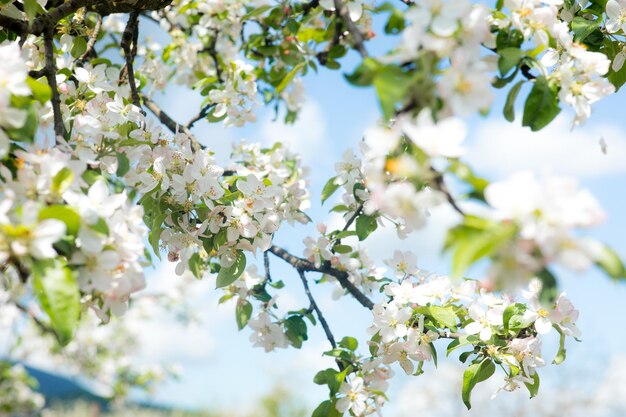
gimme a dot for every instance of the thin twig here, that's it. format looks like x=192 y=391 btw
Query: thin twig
x=201 y=115
x=170 y=123
x=341 y=276
x=93 y=38
x=440 y=185
x=43 y=326
x=320 y=316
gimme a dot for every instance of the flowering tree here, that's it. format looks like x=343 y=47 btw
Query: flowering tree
x=92 y=170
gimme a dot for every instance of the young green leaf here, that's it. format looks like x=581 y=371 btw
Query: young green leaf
x=474 y=374
x=542 y=105
x=227 y=276
x=243 y=312
x=56 y=289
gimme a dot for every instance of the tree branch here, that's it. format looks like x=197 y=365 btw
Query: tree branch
x=341 y=276
x=129 y=45
x=50 y=71
x=357 y=36
x=170 y=123
x=440 y=184
x=320 y=316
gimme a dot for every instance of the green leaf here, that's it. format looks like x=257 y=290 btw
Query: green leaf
x=365 y=73
x=365 y=225
x=609 y=261
x=326 y=409
x=342 y=248
x=62 y=180
x=533 y=388
x=463 y=340
x=123 y=165
x=41 y=90
x=329 y=189
x=296 y=331
x=26 y=133
x=256 y=11
x=66 y=214
x=542 y=105
x=327 y=377
x=100 y=226
x=56 y=289
x=227 y=276
x=32 y=9
x=285 y=81
x=474 y=240
x=512 y=318
x=196 y=265
x=349 y=343
x=392 y=85
x=509 y=106
x=243 y=312
x=444 y=315
x=155 y=232
x=474 y=374
x=79 y=47
x=583 y=28
x=509 y=59
x=549 y=290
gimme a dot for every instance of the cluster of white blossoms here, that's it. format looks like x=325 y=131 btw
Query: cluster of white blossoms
x=576 y=71
x=547 y=212
x=47 y=201
x=50 y=197
x=238 y=99
x=449 y=34
x=423 y=308
x=364 y=393
x=195 y=208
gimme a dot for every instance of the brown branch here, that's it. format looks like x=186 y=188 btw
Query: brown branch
x=266 y=264
x=341 y=276
x=320 y=316
x=129 y=45
x=42 y=325
x=50 y=71
x=440 y=185
x=359 y=40
x=307 y=7
x=201 y=115
x=170 y=123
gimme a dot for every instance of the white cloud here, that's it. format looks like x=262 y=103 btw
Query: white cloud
x=501 y=148
x=162 y=337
